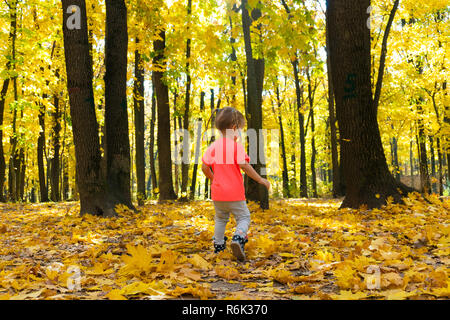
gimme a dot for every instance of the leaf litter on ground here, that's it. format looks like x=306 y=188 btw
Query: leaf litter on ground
x=298 y=249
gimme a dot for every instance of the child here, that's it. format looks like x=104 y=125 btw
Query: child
x=227 y=157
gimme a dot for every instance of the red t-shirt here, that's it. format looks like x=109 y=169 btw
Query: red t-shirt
x=224 y=156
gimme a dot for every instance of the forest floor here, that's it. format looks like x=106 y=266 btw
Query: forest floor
x=298 y=249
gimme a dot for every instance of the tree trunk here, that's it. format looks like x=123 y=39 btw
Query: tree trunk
x=433 y=166
x=394 y=157
x=422 y=154
x=176 y=126
x=90 y=183
x=55 y=170
x=368 y=180
x=337 y=192
x=21 y=184
x=116 y=116
x=40 y=154
x=233 y=56
x=162 y=96
x=411 y=162
x=198 y=145
x=13 y=139
x=3 y=93
x=139 y=125
x=286 y=189
x=152 y=143
x=186 y=144
x=211 y=140
x=255 y=80
x=301 y=121
x=438 y=146
x=311 y=93
x=446 y=139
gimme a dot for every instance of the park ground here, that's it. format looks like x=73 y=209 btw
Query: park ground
x=298 y=249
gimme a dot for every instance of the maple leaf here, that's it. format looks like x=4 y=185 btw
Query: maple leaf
x=139 y=260
x=167 y=261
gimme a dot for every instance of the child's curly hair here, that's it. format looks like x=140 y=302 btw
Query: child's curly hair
x=228 y=117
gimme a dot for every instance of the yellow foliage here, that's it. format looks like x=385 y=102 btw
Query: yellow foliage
x=135 y=256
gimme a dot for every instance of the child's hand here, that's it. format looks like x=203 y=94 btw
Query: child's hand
x=265 y=183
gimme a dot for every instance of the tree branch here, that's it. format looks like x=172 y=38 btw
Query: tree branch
x=381 y=67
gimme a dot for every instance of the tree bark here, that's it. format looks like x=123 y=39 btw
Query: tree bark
x=438 y=146
x=411 y=162
x=91 y=185
x=255 y=80
x=301 y=121
x=433 y=165
x=40 y=154
x=337 y=192
x=368 y=180
x=311 y=94
x=198 y=145
x=211 y=140
x=286 y=189
x=186 y=144
x=422 y=153
x=166 y=191
x=152 y=142
x=116 y=116
x=55 y=169
x=3 y=93
x=13 y=160
x=446 y=123
x=139 y=125
x=395 y=159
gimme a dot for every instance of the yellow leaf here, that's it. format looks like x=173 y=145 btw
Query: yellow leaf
x=167 y=261
x=303 y=289
x=391 y=280
x=227 y=272
x=389 y=255
x=191 y=274
x=199 y=262
x=115 y=295
x=398 y=294
x=138 y=261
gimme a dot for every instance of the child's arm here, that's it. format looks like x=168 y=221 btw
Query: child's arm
x=207 y=171
x=248 y=169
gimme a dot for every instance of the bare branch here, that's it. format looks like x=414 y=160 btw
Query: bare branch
x=381 y=67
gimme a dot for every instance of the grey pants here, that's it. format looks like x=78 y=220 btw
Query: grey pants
x=241 y=214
